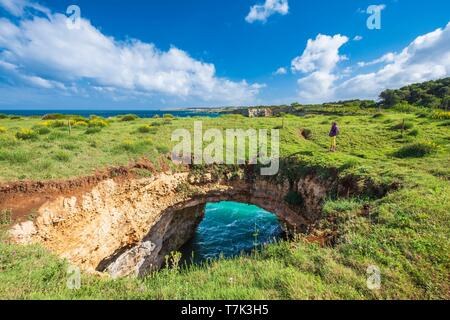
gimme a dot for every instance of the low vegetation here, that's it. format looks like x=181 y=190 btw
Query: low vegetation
x=401 y=229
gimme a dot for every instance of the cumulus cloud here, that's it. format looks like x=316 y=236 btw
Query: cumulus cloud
x=18 y=7
x=319 y=59
x=45 y=52
x=358 y=38
x=426 y=58
x=261 y=12
x=280 y=71
x=321 y=53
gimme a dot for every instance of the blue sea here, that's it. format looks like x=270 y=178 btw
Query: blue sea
x=111 y=113
x=230 y=229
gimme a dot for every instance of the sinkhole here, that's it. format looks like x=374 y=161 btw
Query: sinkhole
x=230 y=229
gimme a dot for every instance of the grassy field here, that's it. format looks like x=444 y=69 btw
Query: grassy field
x=406 y=235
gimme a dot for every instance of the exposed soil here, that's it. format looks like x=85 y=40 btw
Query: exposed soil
x=22 y=198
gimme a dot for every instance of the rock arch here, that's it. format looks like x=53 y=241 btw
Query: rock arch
x=126 y=227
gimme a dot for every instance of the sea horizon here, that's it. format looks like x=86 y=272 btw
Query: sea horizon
x=110 y=113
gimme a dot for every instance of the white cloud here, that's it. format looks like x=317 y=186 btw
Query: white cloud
x=46 y=53
x=426 y=58
x=387 y=58
x=358 y=38
x=280 y=71
x=18 y=7
x=319 y=59
x=261 y=12
x=321 y=54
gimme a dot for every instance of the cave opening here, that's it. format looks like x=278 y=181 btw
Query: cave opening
x=230 y=229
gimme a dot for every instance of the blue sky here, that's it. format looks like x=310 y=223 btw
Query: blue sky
x=155 y=54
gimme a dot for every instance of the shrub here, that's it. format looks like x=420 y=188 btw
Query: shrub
x=69 y=146
x=62 y=156
x=129 y=117
x=26 y=134
x=15 y=118
x=80 y=123
x=97 y=123
x=3 y=116
x=404 y=108
x=7 y=141
x=169 y=116
x=132 y=146
x=414 y=133
x=54 y=116
x=416 y=150
x=144 y=129
x=3 y=129
x=93 y=130
x=42 y=130
x=306 y=133
x=163 y=149
x=58 y=124
x=441 y=115
x=403 y=126
x=5 y=217
x=378 y=115
x=15 y=156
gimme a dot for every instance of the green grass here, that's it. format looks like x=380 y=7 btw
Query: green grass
x=404 y=233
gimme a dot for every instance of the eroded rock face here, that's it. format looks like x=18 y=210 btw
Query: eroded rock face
x=128 y=227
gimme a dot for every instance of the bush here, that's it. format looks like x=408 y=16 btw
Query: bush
x=162 y=149
x=7 y=141
x=26 y=134
x=132 y=146
x=69 y=146
x=97 y=123
x=80 y=123
x=168 y=116
x=414 y=133
x=416 y=150
x=129 y=117
x=54 y=116
x=404 y=108
x=3 y=116
x=441 y=115
x=306 y=133
x=93 y=130
x=3 y=129
x=41 y=130
x=62 y=156
x=378 y=115
x=144 y=129
x=15 y=157
x=403 y=126
x=5 y=217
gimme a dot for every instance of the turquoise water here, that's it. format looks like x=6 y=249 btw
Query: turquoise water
x=230 y=229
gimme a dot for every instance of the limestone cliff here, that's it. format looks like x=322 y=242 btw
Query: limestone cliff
x=127 y=227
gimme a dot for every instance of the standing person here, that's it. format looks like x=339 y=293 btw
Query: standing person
x=334 y=132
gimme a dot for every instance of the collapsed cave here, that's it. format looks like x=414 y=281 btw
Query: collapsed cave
x=126 y=226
